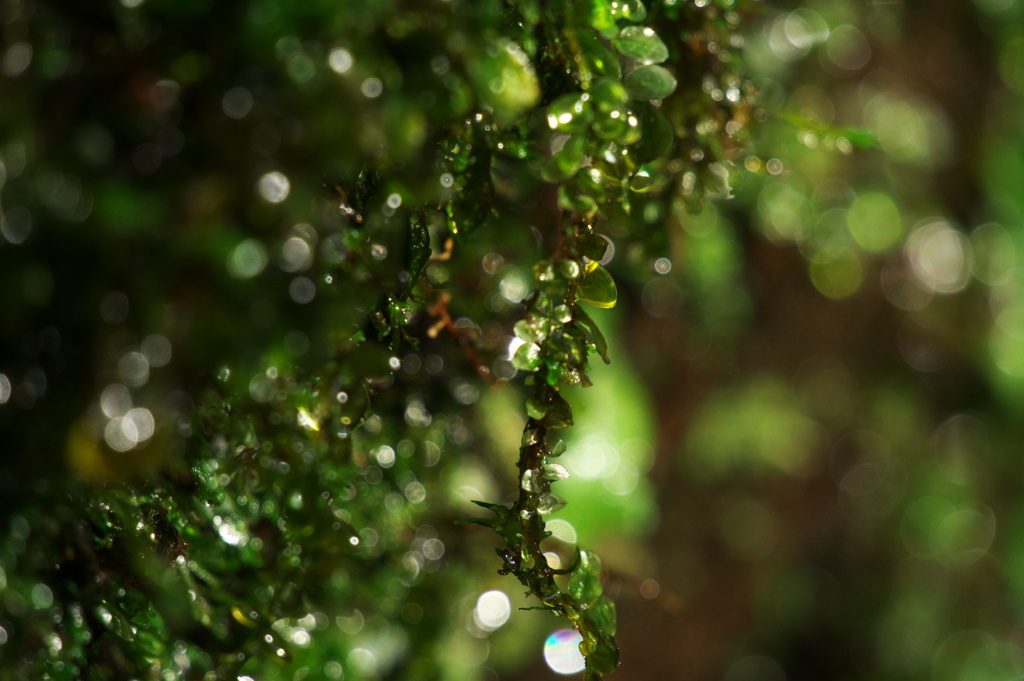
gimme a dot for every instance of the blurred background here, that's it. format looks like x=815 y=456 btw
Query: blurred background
x=803 y=462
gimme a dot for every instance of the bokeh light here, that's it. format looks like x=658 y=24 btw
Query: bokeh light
x=562 y=652
x=492 y=611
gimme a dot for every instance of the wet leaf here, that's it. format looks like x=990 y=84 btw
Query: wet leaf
x=585 y=585
x=558 y=412
x=418 y=250
x=528 y=332
x=641 y=44
x=602 y=18
x=597 y=287
x=657 y=132
x=594 y=333
x=647 y=179
x=602 y=614
x=608 y=95
x=567 y=161
x=549 y=503
x=631 y=10
x=501 y=511
x=598 y=56
x=650 y=82
x=602 y=653
x=613 y=127
x=527 y=357
x=570 y=113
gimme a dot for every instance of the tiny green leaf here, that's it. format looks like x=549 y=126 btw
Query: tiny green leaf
x=570 y=113
x=632 y=10
x=567 y=161
x=597 y=287
x=650 y=82
x=608 y=95
x=602 y=614
x=658 y=134
x=641 y=44
x=602 y=654
x=593 y=332
x=499 y=510
x=585 y=585
x=602 y=19
x=598 y=56
x=526 y=357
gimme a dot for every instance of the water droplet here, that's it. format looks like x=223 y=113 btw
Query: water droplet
x=553 y=472
x=378 y=252
x=550 y=503
x=531 y=481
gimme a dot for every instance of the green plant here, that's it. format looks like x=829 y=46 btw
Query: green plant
x=233 y=386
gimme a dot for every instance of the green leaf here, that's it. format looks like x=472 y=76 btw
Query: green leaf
x=570 y=113
x=594 y=334
x=557 y=412
x=418 y=249
x=567 y=161
x=641 y=44
x=602 y=19
x=631 y=10
x=528 y=332
x=601 y=652
x=658 y=134
x=585 y=584
x=608 y=95
x=527 y=357
x=650 y=82
x=499 y=510
x=492 y=523
x=598 y=56
x=597 y=287
x=602 y=614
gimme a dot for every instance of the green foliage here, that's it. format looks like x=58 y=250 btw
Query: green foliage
x=246 y=319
